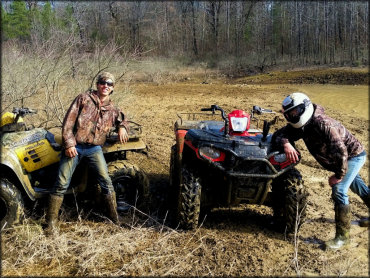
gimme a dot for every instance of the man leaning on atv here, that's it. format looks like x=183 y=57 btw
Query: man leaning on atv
x=335 y=148
x=86 y=124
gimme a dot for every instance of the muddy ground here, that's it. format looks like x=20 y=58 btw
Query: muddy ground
x=230 y=242
x=245 y=231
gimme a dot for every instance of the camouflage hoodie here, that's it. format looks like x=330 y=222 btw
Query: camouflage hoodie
x=88 y=120
x=326 y=139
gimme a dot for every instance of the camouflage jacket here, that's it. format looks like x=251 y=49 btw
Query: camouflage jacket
x=88 y=120
x=326 y=139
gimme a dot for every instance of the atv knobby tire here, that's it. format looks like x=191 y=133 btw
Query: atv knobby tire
x=289 y=200
x=131 y=185
x=189 y=201
x=11 y=204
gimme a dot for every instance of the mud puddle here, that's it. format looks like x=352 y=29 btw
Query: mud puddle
x=353 y=99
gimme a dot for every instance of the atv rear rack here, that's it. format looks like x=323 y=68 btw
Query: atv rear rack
x=195 y=116
x=135 y=132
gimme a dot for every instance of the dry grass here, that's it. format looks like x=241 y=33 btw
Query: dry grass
x=85 y=248
x=142 y=246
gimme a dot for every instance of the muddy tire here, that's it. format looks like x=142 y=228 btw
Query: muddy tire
x=289 y=200
x=131 y=185
x=189 y=201
x=11 y=204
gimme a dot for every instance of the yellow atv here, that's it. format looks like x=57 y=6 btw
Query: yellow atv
x=29 y=165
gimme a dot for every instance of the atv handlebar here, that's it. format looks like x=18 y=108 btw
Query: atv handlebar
x=259 y=110
x=213 y=108
x=255 y=110
x=23 y=111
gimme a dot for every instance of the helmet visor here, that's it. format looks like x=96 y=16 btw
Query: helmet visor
x=293 y=115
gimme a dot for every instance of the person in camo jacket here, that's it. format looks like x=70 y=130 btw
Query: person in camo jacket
x=86 y=124
x=335 y=148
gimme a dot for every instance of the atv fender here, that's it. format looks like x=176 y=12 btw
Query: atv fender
x=10 y=164
x=180 y=139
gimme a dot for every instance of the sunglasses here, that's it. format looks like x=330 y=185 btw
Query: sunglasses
x=102 y=82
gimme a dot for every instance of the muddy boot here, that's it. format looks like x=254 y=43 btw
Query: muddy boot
x=55 y=203
x=111 y=203
x=342 y=227
x=365 y=221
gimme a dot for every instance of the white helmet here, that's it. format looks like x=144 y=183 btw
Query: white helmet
x=297 y=109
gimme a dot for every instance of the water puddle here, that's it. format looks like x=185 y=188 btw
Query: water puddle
x=349 y=98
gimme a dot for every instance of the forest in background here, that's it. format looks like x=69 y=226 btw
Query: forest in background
x=54 y=49
x=258 y=33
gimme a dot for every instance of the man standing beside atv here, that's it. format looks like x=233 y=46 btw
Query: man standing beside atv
x=335 y=148
x=86 y=124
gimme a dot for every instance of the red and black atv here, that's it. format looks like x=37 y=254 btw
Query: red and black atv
x=226 y=163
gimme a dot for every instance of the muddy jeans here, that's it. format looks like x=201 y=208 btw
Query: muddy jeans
x=97 y=164
x=351 y=180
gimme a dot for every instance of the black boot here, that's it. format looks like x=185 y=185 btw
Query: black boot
x=111 y=203
x=365 y=221
x=342 y=227
x=55 y=203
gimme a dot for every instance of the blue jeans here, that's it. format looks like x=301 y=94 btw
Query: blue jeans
x=96 y=161
x=351 y=180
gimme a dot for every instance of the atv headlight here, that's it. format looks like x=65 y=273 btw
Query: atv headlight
x=239 y=124
x=280 y=161
x=209 y=152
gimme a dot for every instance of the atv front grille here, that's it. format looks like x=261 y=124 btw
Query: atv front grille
x=249 y=167
x=252 y=167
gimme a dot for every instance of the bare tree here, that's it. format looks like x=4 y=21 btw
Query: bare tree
x=263 y=33
x=213 y=10
x=193 y=17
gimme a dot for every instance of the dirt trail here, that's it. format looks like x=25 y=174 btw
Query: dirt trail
x=241 y=238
